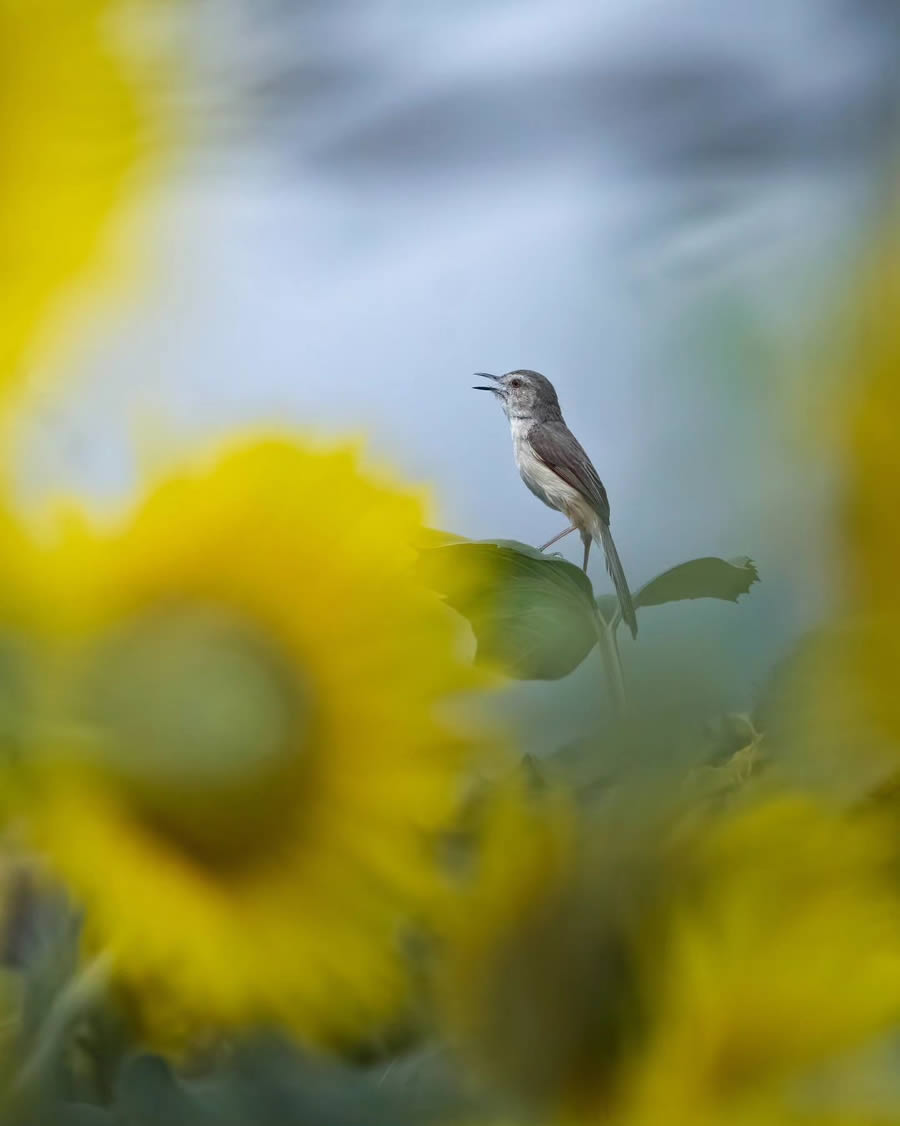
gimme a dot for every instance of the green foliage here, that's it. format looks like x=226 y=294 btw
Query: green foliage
x=264 y=1082
x=532 y=614
x=708 y=577
x=535 y=615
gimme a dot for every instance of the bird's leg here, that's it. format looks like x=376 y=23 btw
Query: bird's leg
x=549 y=543
x=587 y=540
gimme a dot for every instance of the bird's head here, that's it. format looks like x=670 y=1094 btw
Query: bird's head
x=523 y=394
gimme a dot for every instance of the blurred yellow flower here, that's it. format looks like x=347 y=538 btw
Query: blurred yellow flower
x=700 y=972
x=833 y=705
x=254 y=766
x=71 y=123
x=532 y=977
x=873 y=463
x=780 y=955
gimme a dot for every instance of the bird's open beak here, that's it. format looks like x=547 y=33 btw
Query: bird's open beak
x=486 y=375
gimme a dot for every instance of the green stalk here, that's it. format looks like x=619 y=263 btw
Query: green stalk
x=79 y=998
x=612 y=664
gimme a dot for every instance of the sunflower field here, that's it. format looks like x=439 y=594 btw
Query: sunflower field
x=271 y=853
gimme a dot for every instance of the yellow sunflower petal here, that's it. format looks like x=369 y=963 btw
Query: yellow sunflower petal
x=835 y=707
x=72 y=127
x=871 y=525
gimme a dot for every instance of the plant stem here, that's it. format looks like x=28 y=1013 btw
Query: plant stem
x=612 y=664
x=78 y=998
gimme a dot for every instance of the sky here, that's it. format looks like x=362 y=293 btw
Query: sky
x=646 y=201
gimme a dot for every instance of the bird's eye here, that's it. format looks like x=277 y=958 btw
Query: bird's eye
x=515 y=383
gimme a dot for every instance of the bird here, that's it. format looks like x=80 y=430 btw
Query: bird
x=554 y=466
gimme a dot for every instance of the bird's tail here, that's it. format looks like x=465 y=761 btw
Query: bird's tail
x=617 y=574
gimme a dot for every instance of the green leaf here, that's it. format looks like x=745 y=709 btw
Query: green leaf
x=267 y=1083
x=581 y=766
x=81 y=1114
x=531 y=613
x=708 y=577
x=149 y=1094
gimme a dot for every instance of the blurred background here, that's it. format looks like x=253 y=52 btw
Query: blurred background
x=653 y=204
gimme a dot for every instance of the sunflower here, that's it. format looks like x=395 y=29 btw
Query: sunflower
x=694 y=974
x=759 y=989
x=247 y=762
x=73 y=126
x=835 y=701
x=872 y=536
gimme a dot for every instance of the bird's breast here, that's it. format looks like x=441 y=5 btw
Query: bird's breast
x=539 y=478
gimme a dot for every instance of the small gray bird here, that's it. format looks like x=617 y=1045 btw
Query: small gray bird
x=556 y=469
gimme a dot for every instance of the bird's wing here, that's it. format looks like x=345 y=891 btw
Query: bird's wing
x=555 y=445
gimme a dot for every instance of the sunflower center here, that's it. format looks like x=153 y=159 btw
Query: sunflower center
x=203 y=722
